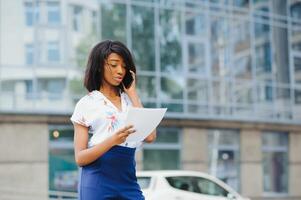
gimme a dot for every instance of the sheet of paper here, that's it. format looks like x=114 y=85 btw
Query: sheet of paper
x=145 y=120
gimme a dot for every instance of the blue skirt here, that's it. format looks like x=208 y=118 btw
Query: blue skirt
x=112 y=176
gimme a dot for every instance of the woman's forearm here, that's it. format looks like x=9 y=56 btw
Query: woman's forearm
x=87 y=156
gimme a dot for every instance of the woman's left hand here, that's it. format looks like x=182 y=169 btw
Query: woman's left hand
x=132 y=93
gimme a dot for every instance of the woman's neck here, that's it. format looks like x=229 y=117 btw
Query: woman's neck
x=110 y=92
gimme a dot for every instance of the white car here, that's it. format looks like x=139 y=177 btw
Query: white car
x=184 y=185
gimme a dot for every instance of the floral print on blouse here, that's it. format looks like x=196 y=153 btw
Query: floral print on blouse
x=101 y=116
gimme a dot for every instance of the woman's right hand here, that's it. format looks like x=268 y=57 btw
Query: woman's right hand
x=121 y=135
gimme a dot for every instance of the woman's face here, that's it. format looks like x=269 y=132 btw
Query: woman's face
x=114 y=70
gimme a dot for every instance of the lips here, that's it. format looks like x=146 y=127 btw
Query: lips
x=119 y=79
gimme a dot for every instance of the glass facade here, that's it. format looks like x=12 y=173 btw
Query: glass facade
x=235 y=59
x=203 y=59
x=164 y=153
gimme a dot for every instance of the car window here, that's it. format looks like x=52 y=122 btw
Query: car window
x=209 y=187
x=181 y=183
x=144 y=181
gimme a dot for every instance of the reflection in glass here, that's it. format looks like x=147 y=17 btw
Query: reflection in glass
x=197 y=90
x=197 y=58
x=161 y=159
x=113 y=22
x=281 y=56
x=264 y=92
x=146 y=87
x=243 y=68
x=297 y=70
x=241 y=3
x=173 y=107
x=261 y=25
x=220 y=47
x=164 y=153
x=243 y=93
x=275 y=162
x=171 y=88
x=263 y=58
x=295 y=9
x=221 y=91
x=195 y=23
x=143 y=37
x=241 y=36
x=170 y=41
x=224 y=155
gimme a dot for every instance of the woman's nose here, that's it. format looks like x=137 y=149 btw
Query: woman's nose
x=120 y=69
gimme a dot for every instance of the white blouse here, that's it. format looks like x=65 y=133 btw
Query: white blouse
x=102 y=117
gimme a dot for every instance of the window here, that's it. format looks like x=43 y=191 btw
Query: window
x=208 y=187
x=53 y=52
x=196 y=58
x=275 y=162
x=143 y=26
x=147 y=87
x=63 y=171
x=54 y=88
x=53 y=11
x=29 y=89
x=182 y=183
x=296 y=10
x=170 y=41
x=195 y=23
x=77 y=18
x=29 y=54
x=261 y=27
x=165 y=152
x=31 y=13
x=263 y=59
x=197 y=185
x=241 y=3
x=224 y=156
x=113 y=21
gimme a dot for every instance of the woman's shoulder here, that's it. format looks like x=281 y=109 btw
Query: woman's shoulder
x=85 y=100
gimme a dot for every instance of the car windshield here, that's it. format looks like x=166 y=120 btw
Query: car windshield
x=144 y=182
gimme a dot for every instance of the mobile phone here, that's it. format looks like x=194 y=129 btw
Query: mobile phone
x=128 y=79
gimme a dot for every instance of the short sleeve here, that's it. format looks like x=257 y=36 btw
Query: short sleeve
x=79 y=115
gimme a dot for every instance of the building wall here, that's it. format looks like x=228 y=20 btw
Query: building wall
x=24 y=148
x=23 y=161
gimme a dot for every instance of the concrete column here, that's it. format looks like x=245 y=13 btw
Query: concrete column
x=295 y=164
x=24 y=161
x=251 y=167
x=194 y=152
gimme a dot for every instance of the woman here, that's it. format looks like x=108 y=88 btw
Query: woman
x=106 y=159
